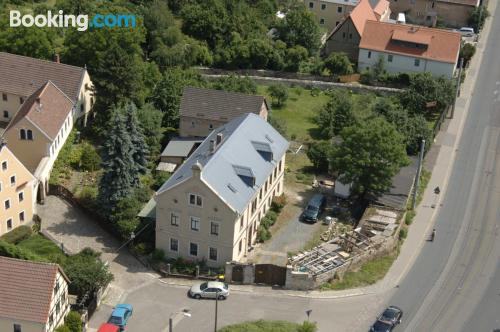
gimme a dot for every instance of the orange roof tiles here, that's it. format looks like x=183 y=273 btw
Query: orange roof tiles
x=26 y=289
x=442 y=46
x=362 y=13
x=380 y=8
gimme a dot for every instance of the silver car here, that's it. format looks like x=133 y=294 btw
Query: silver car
x=210 y=290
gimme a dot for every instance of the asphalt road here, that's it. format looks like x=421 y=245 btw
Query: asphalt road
x=454 y=284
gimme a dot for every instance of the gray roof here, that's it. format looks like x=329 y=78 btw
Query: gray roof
x=148 y=210
x=179 y=147
x=217 y=104
x=236 y=160
x=402 y=184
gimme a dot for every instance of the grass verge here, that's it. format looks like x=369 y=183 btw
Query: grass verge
x=267 y=326
x=43 y=247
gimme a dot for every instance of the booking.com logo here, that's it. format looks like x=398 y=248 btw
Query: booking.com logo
x=81 y=22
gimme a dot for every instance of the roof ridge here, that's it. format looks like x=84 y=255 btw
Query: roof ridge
x=223 y=91
x=42 y=60
x=451 y=32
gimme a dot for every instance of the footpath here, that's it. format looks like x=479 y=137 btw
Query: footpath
x=443 y=155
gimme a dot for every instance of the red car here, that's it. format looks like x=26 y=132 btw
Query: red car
x=107 y=327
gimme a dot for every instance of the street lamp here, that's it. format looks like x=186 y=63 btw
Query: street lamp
x=185 y=312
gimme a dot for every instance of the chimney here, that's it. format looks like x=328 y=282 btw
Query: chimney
x=57 y=58
x=212 y=146
x=196 y=169
x=39 y=105
x=219 y=139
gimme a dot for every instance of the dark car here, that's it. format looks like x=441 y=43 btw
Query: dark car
x=388 y=320
x=314 y=208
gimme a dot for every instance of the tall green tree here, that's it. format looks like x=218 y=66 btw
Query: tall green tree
x=137 y=139
x=33 y=42
x=477 y=17
x=235 y=83
x=150 y=120
x=318 y=154
x=300 y=27
x=279 y=94
x=336 y=114
x=370 y=154
x=339 y=64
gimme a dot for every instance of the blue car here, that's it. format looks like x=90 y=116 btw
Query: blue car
x=120 y=315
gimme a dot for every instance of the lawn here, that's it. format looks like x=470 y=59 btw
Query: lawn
x=43 y=247
x=262 y=326
x=368 y=274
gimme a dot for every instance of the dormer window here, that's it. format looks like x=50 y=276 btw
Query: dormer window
x=245 y=174
x=264 y=149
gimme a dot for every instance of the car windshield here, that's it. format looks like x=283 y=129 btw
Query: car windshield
x=312 y=208
x=203 y=285
x=389 y=314
x=381 y=327
x=115 y=320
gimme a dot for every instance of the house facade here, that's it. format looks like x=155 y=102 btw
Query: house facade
x=211 y=207
x=21 y=76
x=34 y=296
x=330 y=13
x=17 y=188
x=453 y=13
x=203 y=110
x=39 y=130
x=409 y=49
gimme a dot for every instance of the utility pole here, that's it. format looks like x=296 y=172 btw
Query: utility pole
x=419 y=171
x=457 y=91
x=216 y=305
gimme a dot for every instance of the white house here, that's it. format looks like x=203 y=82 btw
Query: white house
x=409 y=49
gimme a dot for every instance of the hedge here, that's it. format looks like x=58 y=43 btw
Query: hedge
x=11 y=250
x=17 y=235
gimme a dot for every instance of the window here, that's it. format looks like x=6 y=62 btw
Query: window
x=241 y=221
x=21 y=216
x=311 y=5
x=339 y=9
x=281 y=163
x=7 y=204
x=9 y=224
x=6 y=114
x=29 y=134
x=417 y=62
x=433 y=4
x=193 y=249
x=174 y=245
x=13 y=180
x=174 y=219
x=323 y=6
x=20 y=195
x=56 y=287
x=212 y=254
x=51 y=319
x=4 y=96
x=195 y=223
x=322 y=21
x=58 y=308
x=240 y=246
x=195 y=200
x=4 y=166
x=22 y=134
x=81 y=108
x=369 y=54
x=350 y=36
x=260 y=193
x=343 y=35
x=21 y=100
x=214 y=228
x=389 y=58
x=210 y=126
x=17 y=328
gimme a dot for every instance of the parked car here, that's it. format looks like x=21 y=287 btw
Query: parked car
x=210 y=290
x=466 y=31
x=388 y=320
x=107 y=327
x=314 y=208
x=120 y=315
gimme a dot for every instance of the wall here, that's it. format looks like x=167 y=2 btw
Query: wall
x=24 y=183
x=197 y=127
x=85 y=98
x=12 y=105
x=7 y=324
x=59 y=298
x=401 y=63
x=330 y=13
x=346 y=39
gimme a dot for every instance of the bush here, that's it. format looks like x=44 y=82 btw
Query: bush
x=160 y=178
x=263 y=234
x=409 y=217
x=158 y=255
x=307 y=327
x=73 y=321
x=278 y=203
x=403 y=232
x=11 y=250
x=272 y=215
x=17 y=234
x=143 y=248
x=90 y=159
x=63 y=328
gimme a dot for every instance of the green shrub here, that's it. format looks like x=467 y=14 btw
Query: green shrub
x=13 y=251
x=17 y=234
x=73 y=321
x=62 y=328
x=266 y=222
x=278 y=203
x=403 y=233
x=160 y=178
x=158 y=255
x=90 y=159
x=263 y=234
x=307 y=327
x=88 y=194
x=409 y=217
x=272 y=215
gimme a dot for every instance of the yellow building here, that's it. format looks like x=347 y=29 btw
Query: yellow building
x=17 y=185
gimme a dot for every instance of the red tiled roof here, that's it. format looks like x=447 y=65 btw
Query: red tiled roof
x=21 y=75
x=26 y=289
x=442 y=46
x=47 y=108
x=380 y=8
x=362 y=13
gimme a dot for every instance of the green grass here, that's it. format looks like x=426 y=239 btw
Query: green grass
x=262 y=326
x=43 y=247
x=368 y=274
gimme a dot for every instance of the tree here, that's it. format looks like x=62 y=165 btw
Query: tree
x=279 y=93
x=477 y=17
x=318 y=154
x=150 y=121
x=339 y=64
x=73 y=321
x=120 y=169
x=467 y=51
x=370 y=154
x=140 y=150
x=300 y=27
x=62 y=328
x=87 y=272
x=90 y=159
x=278 y=124
x=417 y=129
x=294 y=57
x=32 y=42
x=235 y=83
x=336 y=114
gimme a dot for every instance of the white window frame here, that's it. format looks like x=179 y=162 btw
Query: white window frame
x=390 y=58
x=20 y=193
x=191 y=223
x=7 y=224
x=15 y=180
x=178 y=218
x=218 y=228
x=6 y=165
x=197 y=249
x=170 y=244
x=5 y=206
x=196 y=196
x=216 y=254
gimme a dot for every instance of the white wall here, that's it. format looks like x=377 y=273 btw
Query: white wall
x=401 y=63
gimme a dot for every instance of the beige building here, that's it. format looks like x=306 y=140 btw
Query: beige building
x=330 y=13
x=39 y=129
x=203 y=110
x=17 y=188
x=21 y=76
x=453 y=13
x=34 y=296
x=211 y=207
